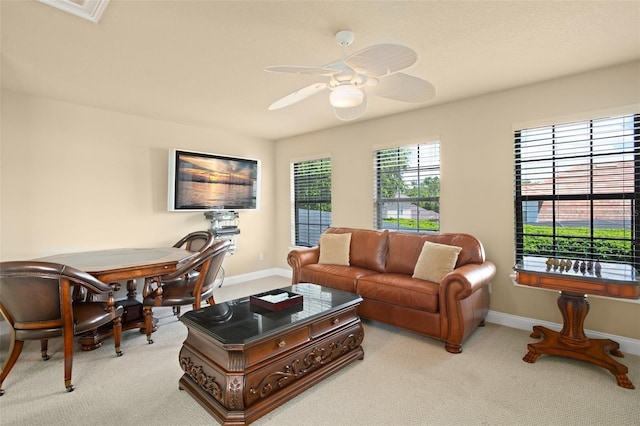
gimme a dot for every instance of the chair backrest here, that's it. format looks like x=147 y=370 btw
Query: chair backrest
x=208 y=262
x=218 y=253
x=196 y=241
x=37 y=295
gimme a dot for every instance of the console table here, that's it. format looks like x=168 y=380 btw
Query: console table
x=610 y=280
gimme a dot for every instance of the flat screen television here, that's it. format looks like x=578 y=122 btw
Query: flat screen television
x=199 y=182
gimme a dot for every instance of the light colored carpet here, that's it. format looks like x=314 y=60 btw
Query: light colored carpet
x=404 y=379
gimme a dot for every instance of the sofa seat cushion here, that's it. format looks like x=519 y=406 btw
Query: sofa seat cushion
x=334 y=276
x=400 y=289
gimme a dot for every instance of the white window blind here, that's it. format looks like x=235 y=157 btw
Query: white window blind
x=576 y=190
x=407 y=188
x=311 y=200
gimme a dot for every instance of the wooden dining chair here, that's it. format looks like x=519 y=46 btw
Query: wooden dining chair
x=195 y=241
x=37 y=303
x=177 y=289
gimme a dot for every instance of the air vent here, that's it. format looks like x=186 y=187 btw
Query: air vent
x=87 y=9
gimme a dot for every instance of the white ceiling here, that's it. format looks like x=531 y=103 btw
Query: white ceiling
x=201 y=62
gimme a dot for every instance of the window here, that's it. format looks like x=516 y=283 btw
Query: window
x=311 y=200
x=407 y=188
x=576 y=190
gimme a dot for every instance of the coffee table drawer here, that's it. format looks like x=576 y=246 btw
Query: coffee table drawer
x=303 y=363
x=277 y=345
x=340 y=319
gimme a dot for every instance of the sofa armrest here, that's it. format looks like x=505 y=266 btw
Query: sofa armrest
x=464 y=302
x=297 y=258
x=470 y=278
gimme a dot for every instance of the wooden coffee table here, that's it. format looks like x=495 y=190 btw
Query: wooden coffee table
x=244 y=367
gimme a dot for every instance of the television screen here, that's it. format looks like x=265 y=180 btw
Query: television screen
x=200 y=181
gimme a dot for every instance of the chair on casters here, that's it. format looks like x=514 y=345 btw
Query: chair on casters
x=36 y=301
x=176 y=289
x=195 y=241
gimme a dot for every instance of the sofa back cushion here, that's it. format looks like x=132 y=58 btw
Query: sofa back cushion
x=405 y=248
x=436 y=261
x=334 y=249
x=368 y=247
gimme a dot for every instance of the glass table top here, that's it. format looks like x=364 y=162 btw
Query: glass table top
x=249 y=323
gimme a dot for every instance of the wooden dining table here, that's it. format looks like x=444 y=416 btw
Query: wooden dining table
x=122 y=265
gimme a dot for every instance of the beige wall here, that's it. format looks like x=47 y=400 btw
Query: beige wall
x=476 y=138
x=76 y=178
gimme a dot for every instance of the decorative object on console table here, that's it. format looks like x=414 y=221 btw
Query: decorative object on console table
x=614 y=280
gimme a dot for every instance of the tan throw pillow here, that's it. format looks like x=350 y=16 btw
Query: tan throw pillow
x=334 y=249
x=436 y=261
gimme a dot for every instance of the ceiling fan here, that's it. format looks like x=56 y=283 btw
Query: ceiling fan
x=374 y=68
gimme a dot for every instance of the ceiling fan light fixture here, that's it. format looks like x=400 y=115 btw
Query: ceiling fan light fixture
x=351 y=113
x=346 y=96
x=372 y=70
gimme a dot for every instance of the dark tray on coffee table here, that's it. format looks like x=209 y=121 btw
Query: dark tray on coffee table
x=293 y=299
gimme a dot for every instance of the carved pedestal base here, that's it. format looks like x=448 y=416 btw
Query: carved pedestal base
x=131 y=319
x=571 y=342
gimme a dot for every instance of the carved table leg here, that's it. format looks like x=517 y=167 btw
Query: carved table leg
x=571 y=341
x=132 y=289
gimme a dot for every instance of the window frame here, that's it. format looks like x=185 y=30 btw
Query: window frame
x=423 y=169
x=592 y=197
x=323 y=220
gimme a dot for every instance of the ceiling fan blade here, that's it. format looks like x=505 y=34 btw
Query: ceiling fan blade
x=351 y=113
x=404 y=88
x=298 y=95
x=380 y=60
x=303 y=70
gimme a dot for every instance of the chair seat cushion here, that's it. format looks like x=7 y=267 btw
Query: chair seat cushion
x=38 y=334
x=192 y=278
x=174 y=294
x=91 y=315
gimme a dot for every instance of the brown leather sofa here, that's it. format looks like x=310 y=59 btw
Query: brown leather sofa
x=380 y=269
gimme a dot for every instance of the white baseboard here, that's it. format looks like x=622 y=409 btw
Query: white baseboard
x=235 y=279
x=627 y=345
